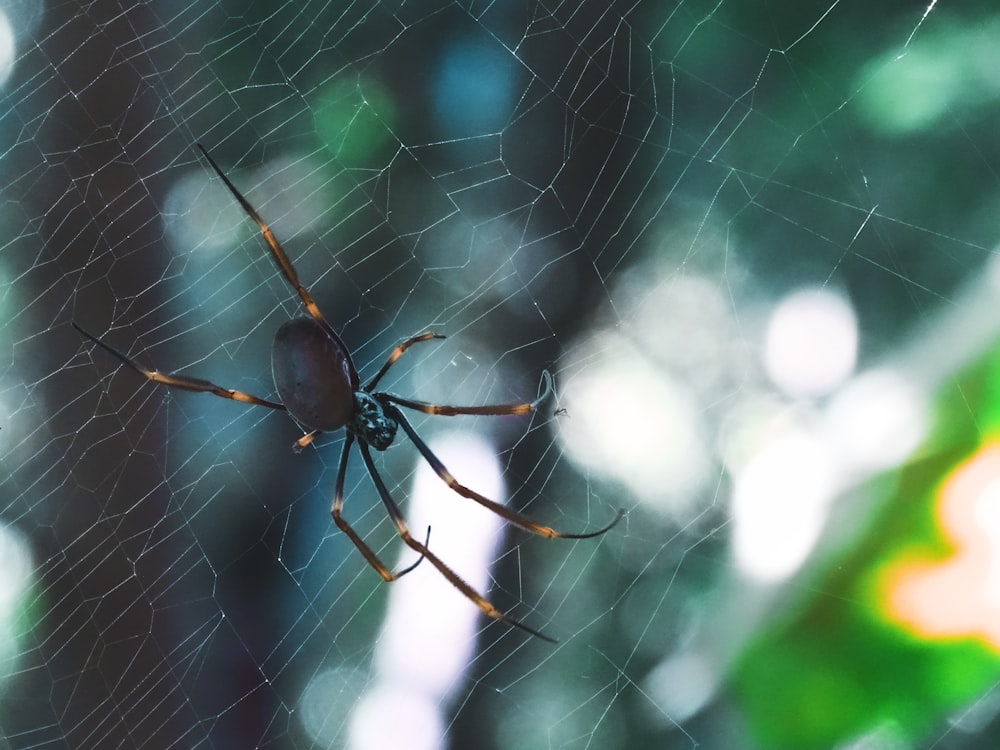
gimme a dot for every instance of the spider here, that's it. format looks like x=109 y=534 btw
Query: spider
x=319 y=388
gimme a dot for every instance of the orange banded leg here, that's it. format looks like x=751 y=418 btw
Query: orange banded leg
x=398 y=352
x=453 y=578
x=490 y=410
x=343 y=525
x=180 y=381
x=512 y=516
x=282 y=260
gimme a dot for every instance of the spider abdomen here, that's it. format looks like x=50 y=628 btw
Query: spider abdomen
x=312 y=373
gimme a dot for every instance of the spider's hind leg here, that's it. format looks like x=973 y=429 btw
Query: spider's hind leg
x=453 y=578
x=343 y=525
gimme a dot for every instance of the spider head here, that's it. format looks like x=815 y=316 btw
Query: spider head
x=370 y=422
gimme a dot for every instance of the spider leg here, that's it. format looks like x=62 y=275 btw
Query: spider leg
x=503 y=511
x=180 y=381
x=492 y=410
x=284 y=264
x=453 y=578
x=343 y=525
x=282 y=260
x=398 y=352
x=306 y=440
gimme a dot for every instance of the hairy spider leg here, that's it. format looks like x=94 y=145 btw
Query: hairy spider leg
x=180 y=381
x=453 y=578
x=283 y=262
x=501 y=510
x=343 y=525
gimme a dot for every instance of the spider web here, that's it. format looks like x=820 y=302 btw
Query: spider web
x=724 y=228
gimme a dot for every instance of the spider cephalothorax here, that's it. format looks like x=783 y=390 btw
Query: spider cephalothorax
x=371 y=422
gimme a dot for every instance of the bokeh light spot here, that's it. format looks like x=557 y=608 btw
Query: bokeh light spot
x=630 y=421
x=473 y=89
x=8 y=48
x=951 y=67
x=877 y=420
x=394 y=717
x=699 y=679
x=812 y=342
x=15 y=578
x=780 y=505
x=327 y=702
x=355 y=120
x=958 y=596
